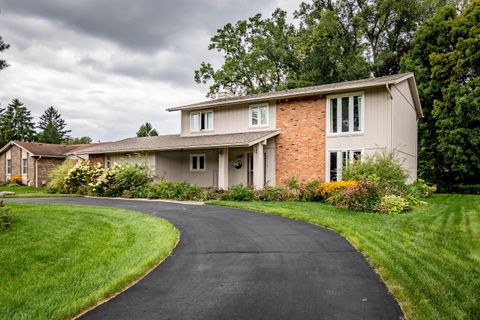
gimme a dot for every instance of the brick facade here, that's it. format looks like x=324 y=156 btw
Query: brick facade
x=45 y=166
x=16 y=161
x=300 y=147
x=97 y=159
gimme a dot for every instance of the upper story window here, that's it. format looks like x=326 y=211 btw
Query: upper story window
x=345 y=113
x=201 y=121
x=259 y=115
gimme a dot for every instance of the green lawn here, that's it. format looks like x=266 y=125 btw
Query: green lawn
x=429 y=258
x=30 y=192
x=56 y=260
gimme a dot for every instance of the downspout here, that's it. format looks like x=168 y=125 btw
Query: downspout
x=36 y=171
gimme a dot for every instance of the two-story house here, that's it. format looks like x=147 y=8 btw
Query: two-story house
x=266 y=139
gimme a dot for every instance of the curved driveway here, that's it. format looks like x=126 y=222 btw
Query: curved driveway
x=235 y=264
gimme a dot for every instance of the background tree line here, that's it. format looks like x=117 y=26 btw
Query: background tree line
x=16 y=123
x=339 y=40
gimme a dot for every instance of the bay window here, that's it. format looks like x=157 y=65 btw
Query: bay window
x=345 y=113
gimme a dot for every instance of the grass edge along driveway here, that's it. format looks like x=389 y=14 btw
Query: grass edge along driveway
x=428 y=258
x=59 y=260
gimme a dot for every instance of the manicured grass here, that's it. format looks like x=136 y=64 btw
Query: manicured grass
x=30 y=192
x=429 y=258
x=57 y=260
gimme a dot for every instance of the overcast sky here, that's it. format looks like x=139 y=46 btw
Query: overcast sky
x=109 y=66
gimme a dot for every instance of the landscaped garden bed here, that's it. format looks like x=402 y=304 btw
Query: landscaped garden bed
x=57 y=260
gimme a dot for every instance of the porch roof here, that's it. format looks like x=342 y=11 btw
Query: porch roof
x=178 y=142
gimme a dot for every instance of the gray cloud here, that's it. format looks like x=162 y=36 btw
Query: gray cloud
x=109 y=66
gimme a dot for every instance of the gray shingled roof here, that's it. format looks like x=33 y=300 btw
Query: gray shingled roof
x=47 y=149
x=299 y=92
x=177 y=142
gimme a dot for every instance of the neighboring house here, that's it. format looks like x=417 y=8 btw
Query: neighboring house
x=266 y=139
x=34 y=161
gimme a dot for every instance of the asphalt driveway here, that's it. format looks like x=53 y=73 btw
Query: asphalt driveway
x=235 y=264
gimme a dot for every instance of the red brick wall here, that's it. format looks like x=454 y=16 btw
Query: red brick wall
x=45 y=166
x=97 y=159
x=300 y=147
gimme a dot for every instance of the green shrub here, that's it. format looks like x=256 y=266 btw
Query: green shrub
x=119 y=179
x=310 y=191
x=143 y=192
x=178 y=191
x=239 y=193
x=382 y=168
x=57 y=177
x=362 y=197
x=272 y=194
x=420 y=189
x=467 y=188
x=5 y=216
x=82 y=176
x=392 y=204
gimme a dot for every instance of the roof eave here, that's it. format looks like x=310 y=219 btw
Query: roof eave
x=213 y=104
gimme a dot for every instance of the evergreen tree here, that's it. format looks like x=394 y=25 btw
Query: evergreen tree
x=52 y=127
x=16 y=123
x=146 y=130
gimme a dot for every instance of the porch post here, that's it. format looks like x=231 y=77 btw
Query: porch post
x=258 y=166
x=223 y=169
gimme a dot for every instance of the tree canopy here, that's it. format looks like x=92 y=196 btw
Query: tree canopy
x=52 y=127
x=331 y=41
x=78 y=140
x=445 y=57
x=147 y=130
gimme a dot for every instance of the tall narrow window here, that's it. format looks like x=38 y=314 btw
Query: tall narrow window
x=333 y=115
x=333 y=166
x=259 y=115
x=24 y=166
x=9 y=166
x=201 y=121
x=345 y=113
x=356 y=113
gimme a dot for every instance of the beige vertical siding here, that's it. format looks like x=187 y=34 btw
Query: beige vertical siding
x=230 y=119
x=175 y=166
x=404 y=128
x=377 y=126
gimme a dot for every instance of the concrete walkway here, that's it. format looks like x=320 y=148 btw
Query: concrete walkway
x=234 y=264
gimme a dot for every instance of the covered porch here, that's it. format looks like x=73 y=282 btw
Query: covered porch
x=219 y=161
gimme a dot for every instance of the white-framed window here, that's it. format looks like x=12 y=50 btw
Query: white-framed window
x=345 y=113
x=9 y=166
x=109 y=162
x=258 y=115
x=201 y=121
x=24 y=167
x=198 y=162
x=338 y=159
